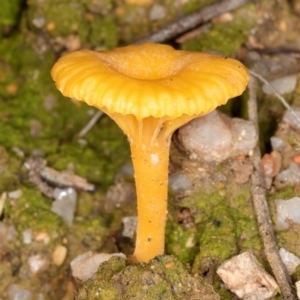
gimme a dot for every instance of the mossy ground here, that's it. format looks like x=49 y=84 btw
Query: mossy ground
x=36 y=120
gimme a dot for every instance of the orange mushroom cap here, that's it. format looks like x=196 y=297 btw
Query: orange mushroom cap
x=150 y=80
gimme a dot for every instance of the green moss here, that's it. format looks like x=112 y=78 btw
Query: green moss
x=100 y=159
x=226 y=226
x=218 y=239
x=224 y=223
x=246 y=228
x=104 y=33
x=225 y=38
x=38 y=219
x=297 y=274
x=163 y=278
x=285 y=193
x=203 y=201
x=105 y=150
x=182 y=242
x=88 y=204
x=33 y=211
x=31 y=76
x=65 y=17
x=9 y=167
x=90 y=233
x=9 y=11
x=18 y=52
x=7 y=77
x=194 y=5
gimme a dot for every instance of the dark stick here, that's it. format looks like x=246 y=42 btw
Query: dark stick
x=258 y=193
x=189 y=22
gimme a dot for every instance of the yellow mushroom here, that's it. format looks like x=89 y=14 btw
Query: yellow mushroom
x=150 y=90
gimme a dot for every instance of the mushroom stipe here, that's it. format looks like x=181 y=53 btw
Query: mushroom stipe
x=150 y=90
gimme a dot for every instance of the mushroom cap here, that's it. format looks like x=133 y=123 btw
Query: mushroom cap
x=150 y=80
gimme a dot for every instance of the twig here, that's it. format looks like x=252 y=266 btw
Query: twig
x=280 y=50
x=258 y=193
x=189 y=22
x=35 y=166
x=277 y=94
x=66 y=179
x=45 y=178
x=90 y=124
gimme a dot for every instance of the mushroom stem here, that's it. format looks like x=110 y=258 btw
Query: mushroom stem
x=149 y=140
x=151 y=176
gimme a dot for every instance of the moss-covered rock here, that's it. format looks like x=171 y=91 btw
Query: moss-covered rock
x=224 y=224
x=162 y=278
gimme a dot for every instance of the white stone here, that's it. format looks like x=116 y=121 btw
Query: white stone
x=37 y=263
x=130 y=224
x=277 y=143
x=86 y=265
x=287 y=211
x=245 y=277
x=16 y=292
x=157 y=12
x=290 y=260
x=41 y=297
x=290 y=176
x=290 y=119
x=65 y=204
x=179 y=182
x=244 y=137
x=120 y=194
x=216 y=137
x=283 y=85
x=209 y=137
x=39 y=22
x=27 y=236
x=15 y=194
